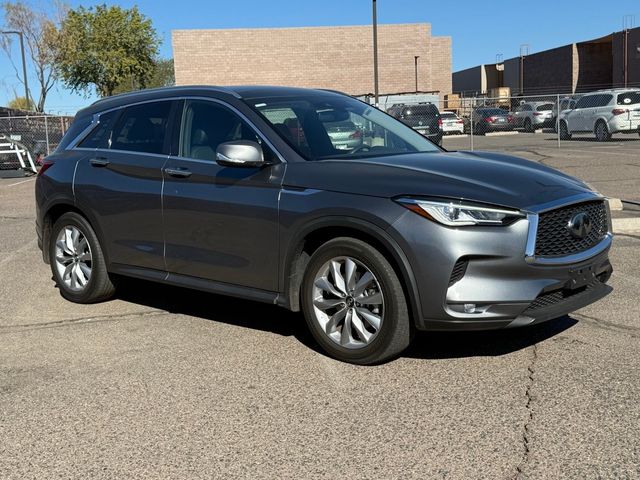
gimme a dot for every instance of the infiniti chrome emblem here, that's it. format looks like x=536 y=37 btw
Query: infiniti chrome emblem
x=580 y=225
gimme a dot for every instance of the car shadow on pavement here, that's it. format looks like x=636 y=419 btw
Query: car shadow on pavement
x=218 y=308
x=441 y=345
x=270 y=318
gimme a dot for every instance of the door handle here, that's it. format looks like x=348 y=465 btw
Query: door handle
x=99 y=162
x=178 y=172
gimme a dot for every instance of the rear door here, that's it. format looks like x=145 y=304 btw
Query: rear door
x=119 y=181
x=221 y=223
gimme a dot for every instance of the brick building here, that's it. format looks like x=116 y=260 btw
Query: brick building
x=339 y=58
x=574 y=68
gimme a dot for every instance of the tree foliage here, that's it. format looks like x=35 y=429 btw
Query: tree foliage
x=104 y=46
x=163 y=75
x=21 y=103
x=40 y=33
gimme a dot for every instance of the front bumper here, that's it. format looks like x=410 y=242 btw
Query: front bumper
x=501 y=284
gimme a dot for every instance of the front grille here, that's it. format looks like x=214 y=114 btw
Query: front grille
x=554 y=239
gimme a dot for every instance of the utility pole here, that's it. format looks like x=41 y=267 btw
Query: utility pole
x=524 y=51
x=415 y=60
x=375 y=52
x=24 y=63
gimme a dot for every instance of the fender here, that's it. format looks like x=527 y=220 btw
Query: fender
x=291 y=281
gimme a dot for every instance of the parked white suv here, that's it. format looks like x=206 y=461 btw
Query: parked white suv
x=604 y=113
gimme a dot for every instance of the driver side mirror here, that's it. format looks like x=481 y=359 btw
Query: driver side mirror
x=240 y=153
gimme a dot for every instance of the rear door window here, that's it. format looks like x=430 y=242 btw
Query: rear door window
x=143 y=128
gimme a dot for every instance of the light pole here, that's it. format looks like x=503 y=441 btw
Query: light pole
x=375 y=52
x=415 y=63
x=24 y=63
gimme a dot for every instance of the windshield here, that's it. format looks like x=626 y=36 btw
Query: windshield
x=494 y=112
x=545 y=107
x=321 y=126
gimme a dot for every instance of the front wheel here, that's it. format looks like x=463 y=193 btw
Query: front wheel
x=564 y=131
x=77 y=261
x=354 y=303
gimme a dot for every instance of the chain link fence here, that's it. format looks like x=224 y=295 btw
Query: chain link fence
x=518 y=122
x=29 y=137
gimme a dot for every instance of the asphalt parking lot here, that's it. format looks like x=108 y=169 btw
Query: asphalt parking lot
x=167 y=383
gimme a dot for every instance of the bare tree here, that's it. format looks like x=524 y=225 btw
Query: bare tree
x=40 y=31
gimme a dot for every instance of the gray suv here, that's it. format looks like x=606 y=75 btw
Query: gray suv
x=242 y=191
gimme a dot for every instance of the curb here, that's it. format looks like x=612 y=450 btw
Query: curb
x=626 y=225
x=615 y=204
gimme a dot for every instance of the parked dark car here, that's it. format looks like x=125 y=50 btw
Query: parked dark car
x=487 y=120
x=422 y=117
x=241 y=191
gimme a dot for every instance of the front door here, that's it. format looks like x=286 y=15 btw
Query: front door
x=221 y=223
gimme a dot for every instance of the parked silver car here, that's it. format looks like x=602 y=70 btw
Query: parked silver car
x=533 y=116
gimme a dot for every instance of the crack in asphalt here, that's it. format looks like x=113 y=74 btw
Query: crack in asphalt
x=9 y=217
x=606 y=325
x=75 y=321
x=526 y=441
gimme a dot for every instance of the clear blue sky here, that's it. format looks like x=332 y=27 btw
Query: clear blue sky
x=479 y=30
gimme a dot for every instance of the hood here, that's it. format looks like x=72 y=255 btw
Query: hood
x=480 y=176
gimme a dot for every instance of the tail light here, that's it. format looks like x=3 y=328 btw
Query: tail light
x=509 y=118
x=440 y=121
x=619 y=111
x=356 y=134
x=537 y=114
x=490 y=119
x=459 y=121
x=45 y=166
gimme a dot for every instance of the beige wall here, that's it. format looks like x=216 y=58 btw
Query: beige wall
x=339 y=58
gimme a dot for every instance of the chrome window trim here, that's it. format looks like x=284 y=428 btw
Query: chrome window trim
x=533 y=217
x=96 y=119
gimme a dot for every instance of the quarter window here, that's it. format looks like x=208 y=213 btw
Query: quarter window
x=100 y=136
x=142 y=128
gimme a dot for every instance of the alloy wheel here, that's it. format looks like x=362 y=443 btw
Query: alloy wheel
x=348 y=302
x=73 y=258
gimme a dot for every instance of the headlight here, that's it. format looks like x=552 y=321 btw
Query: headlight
x=455 y=213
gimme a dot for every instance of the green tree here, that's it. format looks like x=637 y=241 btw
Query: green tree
x=163 y=75
x=40 y=32
x=21 y=103
x=104 y=46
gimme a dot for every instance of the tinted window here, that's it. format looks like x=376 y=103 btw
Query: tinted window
x=545 y=107
x=494 y=111
x=448 y=115
x=142 y=128
x=77 y=127
x=630 y=98
x=100 y=136
x=527 y=108
x=604 y=100
x=205 y=125
x=429 y=109
x=585 y=102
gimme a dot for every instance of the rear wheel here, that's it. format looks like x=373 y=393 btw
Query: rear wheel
x=564 y=131
x=354 y=303
x=77 y=261
x=602 y=131
x=528 y=126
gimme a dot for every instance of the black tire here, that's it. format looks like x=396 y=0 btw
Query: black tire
x=395 y=331
x=99 y=286
x=601 y=131
x=564 y=131
x=528 y=126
